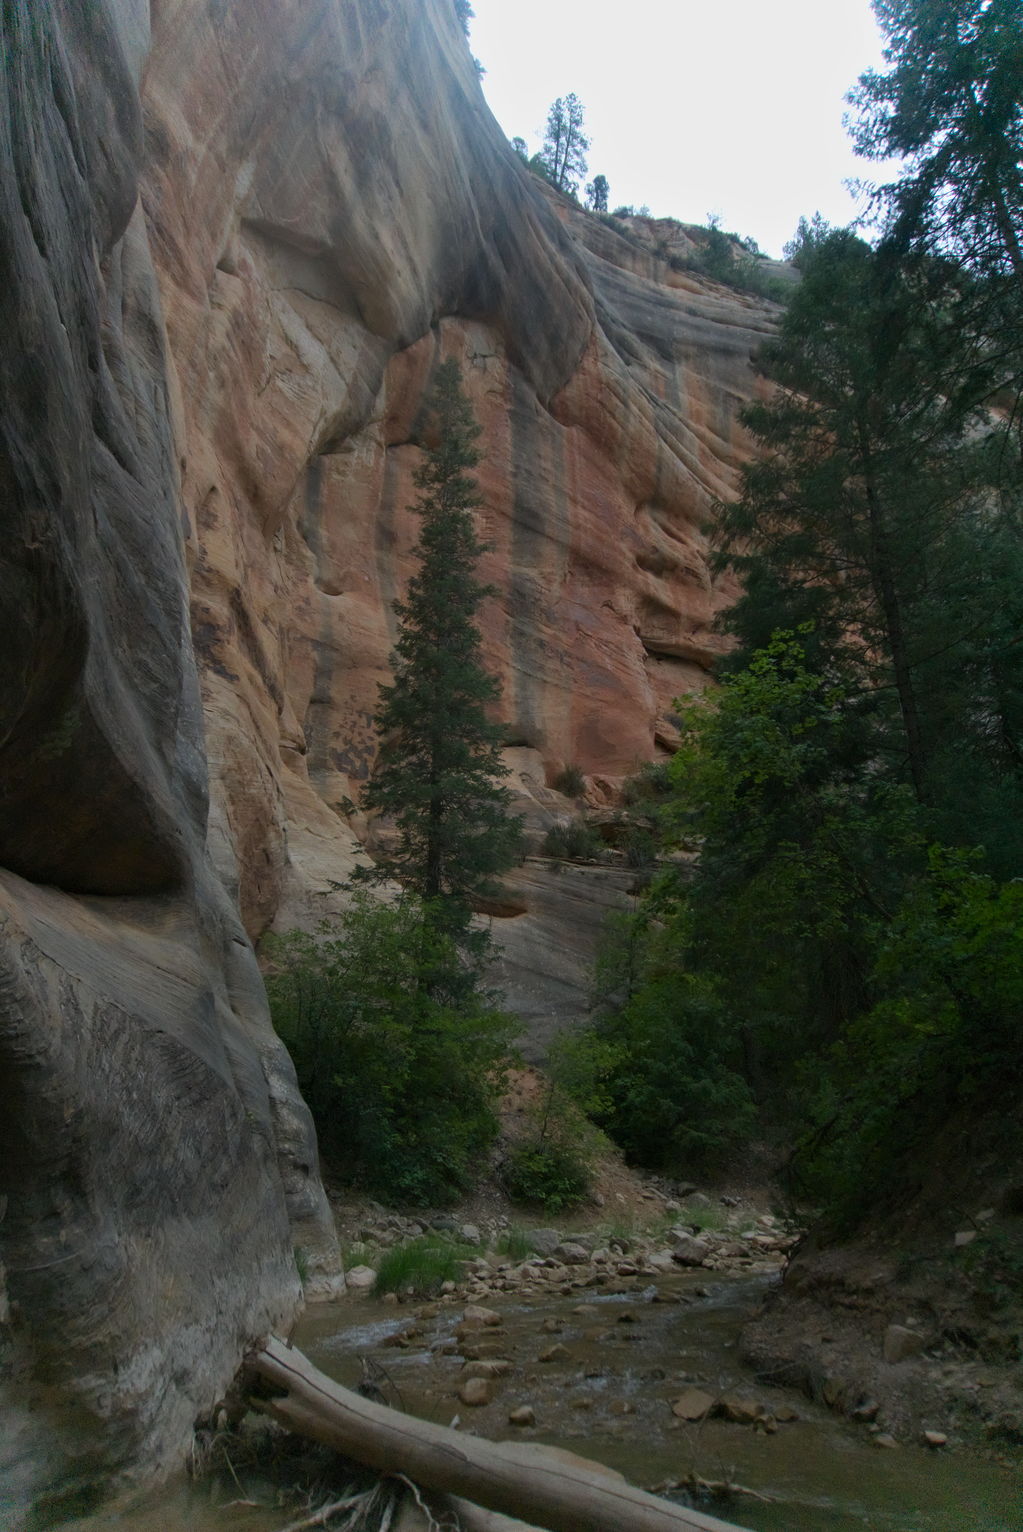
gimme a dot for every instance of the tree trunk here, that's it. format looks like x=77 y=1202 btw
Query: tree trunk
x=882 y=575
x=508 y=1477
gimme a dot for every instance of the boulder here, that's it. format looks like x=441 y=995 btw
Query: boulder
x=687 y=1250
x=571 y=1253
x=543 y=1241
x=361 y=1278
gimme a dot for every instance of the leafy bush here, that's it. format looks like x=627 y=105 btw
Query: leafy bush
x=420 y=1267
x=547 y=1171
x=650 y=784
x=570 y=781
x=573 y=839
x=552 y=1165
x=400 y=1073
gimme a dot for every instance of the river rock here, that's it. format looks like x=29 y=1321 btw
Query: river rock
x=544 y=1241
x=694 y=1404
x=570 y=1253
x=900 y=1342
x=739 y=1408
x=476 y=1391
x=934 y=1439
x=476 y=1316
x=360 y=1278
x=496 y=1367
x=522 y=1415
x=557 y=1353
x=687 y=1250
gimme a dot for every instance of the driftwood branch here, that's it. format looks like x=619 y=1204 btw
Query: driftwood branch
x=512 y=1478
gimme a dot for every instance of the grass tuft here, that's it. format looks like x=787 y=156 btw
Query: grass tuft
x=420 y=1267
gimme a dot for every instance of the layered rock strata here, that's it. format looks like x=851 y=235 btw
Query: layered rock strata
x=332 y=209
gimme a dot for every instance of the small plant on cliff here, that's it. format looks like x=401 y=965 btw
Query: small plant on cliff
x=438 y=775
x=573 y=840
x=465 y=13
x=570 y=781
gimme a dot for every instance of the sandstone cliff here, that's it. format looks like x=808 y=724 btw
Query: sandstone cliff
x=236 y=238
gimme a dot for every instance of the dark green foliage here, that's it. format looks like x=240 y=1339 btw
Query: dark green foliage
x=886 y=494
x=439 y=770
x=563 y=155
x=729 y=259
x=573 y=840
x=551 y=1164
x=951 y=107
x=809 y=234
x=570 y=781
x=597 y=192
x=546 y=1173
x=648 y=786
x=401 y=1079
x=839 y=965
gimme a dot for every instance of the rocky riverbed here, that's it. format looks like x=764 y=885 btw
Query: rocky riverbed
x=649 y=1347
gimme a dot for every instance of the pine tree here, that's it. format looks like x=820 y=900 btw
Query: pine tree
x=951 y=107
x=439 y=771
x=565 y=144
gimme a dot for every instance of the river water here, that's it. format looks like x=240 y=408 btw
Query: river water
x=608 y=1396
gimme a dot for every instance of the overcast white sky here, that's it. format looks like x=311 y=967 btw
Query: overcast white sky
x=693 y=106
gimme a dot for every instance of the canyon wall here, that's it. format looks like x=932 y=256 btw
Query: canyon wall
x=237 y=236
x=332 y=209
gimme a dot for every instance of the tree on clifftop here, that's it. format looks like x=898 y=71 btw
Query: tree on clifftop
x=597 y=193
x=565 y=144
x=439 y=770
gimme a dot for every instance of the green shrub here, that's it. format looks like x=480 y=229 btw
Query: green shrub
x=401 y=1076
x=547 y=1172
x=650 y=784
x=552 y=1165
x=570 y=781
x=573 y=840
x=420 y=1267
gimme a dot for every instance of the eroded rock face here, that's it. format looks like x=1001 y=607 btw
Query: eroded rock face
x=156 y=1164
x=333 y=209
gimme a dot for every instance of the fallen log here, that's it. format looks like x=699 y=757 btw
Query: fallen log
x=511 y=1478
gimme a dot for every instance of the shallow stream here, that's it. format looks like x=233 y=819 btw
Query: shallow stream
x=627 y=1356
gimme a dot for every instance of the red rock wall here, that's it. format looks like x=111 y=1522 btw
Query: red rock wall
x=332 y=208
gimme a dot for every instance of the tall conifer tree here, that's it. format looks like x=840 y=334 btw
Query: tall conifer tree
x=439 y=771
